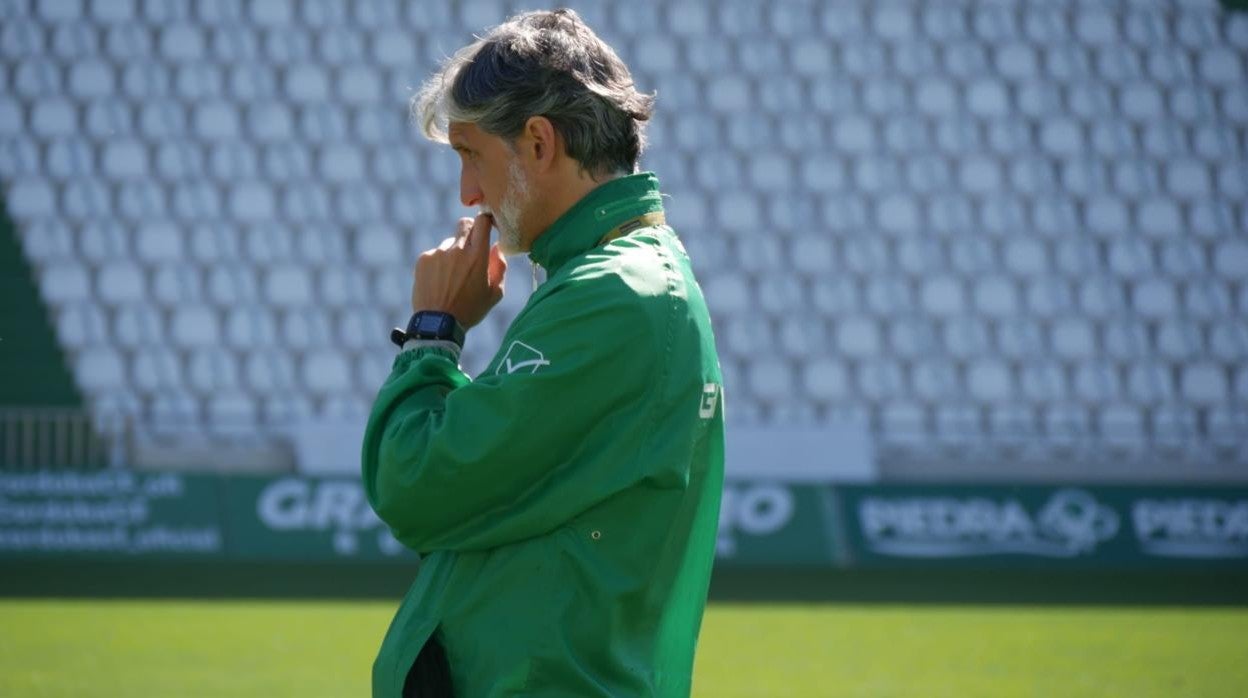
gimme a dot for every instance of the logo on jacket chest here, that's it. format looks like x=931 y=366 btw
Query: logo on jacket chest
x=521 y=358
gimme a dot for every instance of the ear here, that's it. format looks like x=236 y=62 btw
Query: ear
x=540 y=143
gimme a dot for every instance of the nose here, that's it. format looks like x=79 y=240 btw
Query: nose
x=469 y=189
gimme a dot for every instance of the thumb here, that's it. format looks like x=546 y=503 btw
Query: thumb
x=497 y=268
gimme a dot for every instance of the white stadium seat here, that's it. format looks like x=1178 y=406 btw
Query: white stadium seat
x=307 y=84
x=967 y=338
x=996 y=296
x=176 y=284
x=139 y=325
x=991 y=381
x=726 y=293
x=1125 y=338
x=858 y=337
x=252 y=202
x=156 y=370
x=1044 y=382
x=1204 y=383
x=1150 y=383
x=1073 y=339
x=267 y=374
x=194 y=326
x=100 y=370
x=66 y=281
x=211 y=370
x=82 y=327
x=91 y=79
x=121 y=282
x=325 y=370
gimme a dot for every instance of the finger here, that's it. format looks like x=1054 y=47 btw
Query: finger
x=479 y=235
x=448 y=243
x=462 y=227
x=497 y=268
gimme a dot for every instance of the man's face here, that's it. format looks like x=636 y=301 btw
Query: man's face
x=492 y=179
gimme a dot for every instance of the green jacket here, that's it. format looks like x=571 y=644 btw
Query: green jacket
x=565 y=501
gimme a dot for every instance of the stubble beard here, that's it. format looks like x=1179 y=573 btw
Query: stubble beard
x=507 y=217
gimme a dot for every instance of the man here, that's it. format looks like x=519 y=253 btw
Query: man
x=566 y=500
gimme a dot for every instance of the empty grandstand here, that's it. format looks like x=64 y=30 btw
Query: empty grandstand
x=1004 y=240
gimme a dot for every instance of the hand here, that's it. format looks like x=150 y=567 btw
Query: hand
x=462 y=276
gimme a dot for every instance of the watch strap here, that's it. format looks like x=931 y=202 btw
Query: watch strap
x=430 y=325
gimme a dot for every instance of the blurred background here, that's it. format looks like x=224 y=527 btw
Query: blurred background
x=978 y=273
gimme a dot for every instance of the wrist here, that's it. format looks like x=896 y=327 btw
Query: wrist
x=430 y=325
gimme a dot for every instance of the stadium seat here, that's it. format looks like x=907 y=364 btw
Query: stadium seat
x=727 y=293
x=1227 y=426
x=967 y=337
x=66 y=281
x=1204 y=383
x=942 y=296
x=858 y=337
x=194 y=326
x=232 y=413
x=210 y=371
x=1043 y=382
x=802 y=339
x=1125 y=339
x=176 y=412
x=85 y=200
x=266 y=374
x=126 y=41
x=100 y=371
x=54 y=117
x=1021 y=337
x=1096 y=382
x=155 y=370
x=996 y=296
x=174 y=285
x=91 y=79
x=81 y=326
x=121 y=282
x=1016 y=425
x=824 y=380
x=880 y=380
x=889 y=295
x=325 y=371
x=139 y=325
x=1228 y=342
x=1175 y=424
x=991 y=381
x=737 y=18
x=911 y=337
x=1149 y=383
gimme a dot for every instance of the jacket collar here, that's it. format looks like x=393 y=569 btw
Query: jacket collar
x=581 y=227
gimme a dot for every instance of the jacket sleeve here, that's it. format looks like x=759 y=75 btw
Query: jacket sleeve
x=453 y=464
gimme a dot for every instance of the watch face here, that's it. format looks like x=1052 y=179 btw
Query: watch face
x=429 y=324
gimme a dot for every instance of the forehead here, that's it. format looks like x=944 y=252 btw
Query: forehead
x=462 y=133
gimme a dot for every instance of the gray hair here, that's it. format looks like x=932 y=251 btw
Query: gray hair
x=547 y=64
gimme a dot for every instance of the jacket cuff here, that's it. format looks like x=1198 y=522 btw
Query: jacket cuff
x=443 y=344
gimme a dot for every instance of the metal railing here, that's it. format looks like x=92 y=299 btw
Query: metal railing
x=59 y=438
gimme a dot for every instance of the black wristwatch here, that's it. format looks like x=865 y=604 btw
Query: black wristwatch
x=430 y=324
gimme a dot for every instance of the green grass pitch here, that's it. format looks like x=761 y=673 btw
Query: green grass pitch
x=216 y=649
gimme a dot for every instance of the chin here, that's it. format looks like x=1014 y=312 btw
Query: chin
x=510 y=247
